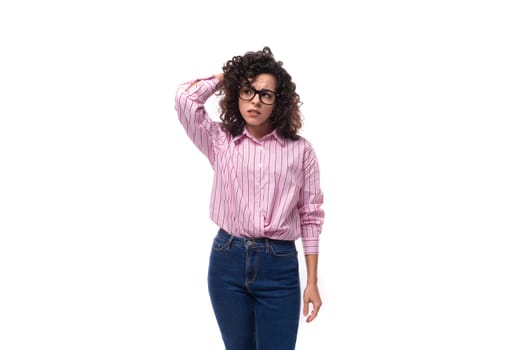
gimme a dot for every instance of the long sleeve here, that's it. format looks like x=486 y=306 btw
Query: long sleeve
x=310 y=202
x=190 y=98
x=266 y=187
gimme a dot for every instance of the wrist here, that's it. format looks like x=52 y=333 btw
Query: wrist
x=311 y=282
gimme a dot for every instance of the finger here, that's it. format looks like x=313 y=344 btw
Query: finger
x=305 y=307
x=313 y=314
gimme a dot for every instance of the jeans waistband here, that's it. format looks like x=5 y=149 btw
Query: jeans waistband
x=253 y=242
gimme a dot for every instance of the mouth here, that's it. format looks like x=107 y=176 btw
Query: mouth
x=253 y=112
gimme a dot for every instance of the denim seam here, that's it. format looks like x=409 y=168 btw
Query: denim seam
x=247 y=280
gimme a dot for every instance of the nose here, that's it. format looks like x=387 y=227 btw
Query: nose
x=256 y=99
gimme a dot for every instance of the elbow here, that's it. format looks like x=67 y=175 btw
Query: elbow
x=179 y=99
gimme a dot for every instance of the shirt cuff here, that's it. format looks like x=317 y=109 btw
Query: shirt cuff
x=310 y=245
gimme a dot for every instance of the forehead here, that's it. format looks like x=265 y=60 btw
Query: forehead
x=264 y=81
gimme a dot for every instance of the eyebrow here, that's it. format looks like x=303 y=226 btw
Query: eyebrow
x=252 y=87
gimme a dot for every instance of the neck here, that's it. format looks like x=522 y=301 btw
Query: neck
x=258 y=133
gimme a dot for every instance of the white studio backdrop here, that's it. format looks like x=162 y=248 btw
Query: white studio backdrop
x=415 y=109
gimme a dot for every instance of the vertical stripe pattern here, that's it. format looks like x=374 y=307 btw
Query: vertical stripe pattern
x=261 y=188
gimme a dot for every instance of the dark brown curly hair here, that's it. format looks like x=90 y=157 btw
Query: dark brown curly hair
x=286 y=116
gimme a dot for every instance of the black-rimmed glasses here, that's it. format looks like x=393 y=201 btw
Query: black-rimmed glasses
x=267 y=97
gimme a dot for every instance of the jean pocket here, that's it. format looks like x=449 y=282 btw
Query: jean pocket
x=219 y=243
x=279 y=249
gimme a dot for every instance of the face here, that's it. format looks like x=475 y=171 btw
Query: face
x=255 y=113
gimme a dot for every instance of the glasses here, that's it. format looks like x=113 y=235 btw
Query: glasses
x=267 y=97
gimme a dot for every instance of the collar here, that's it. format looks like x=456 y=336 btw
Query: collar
x=245 y=133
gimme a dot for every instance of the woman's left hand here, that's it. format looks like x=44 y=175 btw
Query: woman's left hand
x=312 y=296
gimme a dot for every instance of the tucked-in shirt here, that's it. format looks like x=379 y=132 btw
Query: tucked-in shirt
x=267 y=187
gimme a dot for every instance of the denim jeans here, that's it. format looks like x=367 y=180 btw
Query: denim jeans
x=255 y=292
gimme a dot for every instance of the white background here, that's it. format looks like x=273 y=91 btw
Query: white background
x=415 y=109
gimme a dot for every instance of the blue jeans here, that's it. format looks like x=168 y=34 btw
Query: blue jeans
x=255 y=292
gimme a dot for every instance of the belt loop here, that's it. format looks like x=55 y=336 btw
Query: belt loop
x=230 y=238
x=267 y=245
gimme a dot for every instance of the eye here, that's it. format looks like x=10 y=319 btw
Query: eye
x=266 y=94
x=246 y=90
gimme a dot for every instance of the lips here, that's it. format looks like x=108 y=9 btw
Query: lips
x=253 y=112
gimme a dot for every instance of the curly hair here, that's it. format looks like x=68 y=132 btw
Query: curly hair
x=286 y=115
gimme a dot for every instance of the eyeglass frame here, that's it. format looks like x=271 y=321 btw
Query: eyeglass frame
x=258 y=92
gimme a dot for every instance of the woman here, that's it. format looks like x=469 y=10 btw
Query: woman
x=266 y=194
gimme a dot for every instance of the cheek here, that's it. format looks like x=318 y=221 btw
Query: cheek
x=241 y=105
x=269 y=111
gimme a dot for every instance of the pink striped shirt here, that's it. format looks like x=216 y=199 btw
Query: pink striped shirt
x=261 y=188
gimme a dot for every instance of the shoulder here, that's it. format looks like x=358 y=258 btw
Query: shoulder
x=302 y=143
x=300 y=149
x=307 y=151
x=221 y=135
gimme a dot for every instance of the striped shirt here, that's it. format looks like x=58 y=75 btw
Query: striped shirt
x=261 y=188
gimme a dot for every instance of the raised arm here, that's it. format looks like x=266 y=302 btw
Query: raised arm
x=190 y=98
